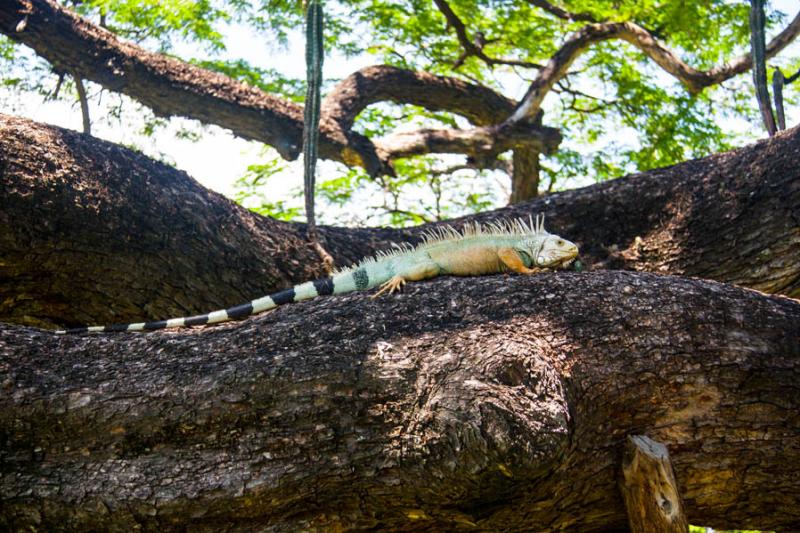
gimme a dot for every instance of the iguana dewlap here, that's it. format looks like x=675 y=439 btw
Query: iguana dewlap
x=516 y=246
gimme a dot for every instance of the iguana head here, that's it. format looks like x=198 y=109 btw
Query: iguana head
x=554 y=252
x=545 y=250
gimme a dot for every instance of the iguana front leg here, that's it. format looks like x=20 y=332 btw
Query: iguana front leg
x=513 y=261
x=417 y=272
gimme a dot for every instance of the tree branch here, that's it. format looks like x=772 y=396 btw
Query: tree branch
x=171 y=87
x=451 y=406
x=471 y=46
x=562 y=13
x=87 y=122
x=120 y=237
x=524 y=174
x=485 y=142
x=480 y=105
x=694 y=80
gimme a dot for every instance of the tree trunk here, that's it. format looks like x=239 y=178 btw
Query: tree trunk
x=525 y=175
x=648 y=486
x=494 y=403
x=91 y=232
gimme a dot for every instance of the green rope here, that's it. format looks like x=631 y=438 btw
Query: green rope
x=778 y=81
x=758 y=49
x=314 y=56
x=311 y=113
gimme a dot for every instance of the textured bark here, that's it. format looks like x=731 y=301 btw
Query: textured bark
x=484 y=143
x=733 y=217
x=495 y=403
x=94 y=233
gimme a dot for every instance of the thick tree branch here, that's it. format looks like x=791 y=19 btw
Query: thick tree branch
x=480 y=105
x=169 y=86
x=694 y=79
x=104 y=223
x=731 y=217
x=120 y=237
x=494 y=404
x=485 y=141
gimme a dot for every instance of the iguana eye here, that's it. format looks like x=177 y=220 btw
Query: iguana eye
x=560 y=242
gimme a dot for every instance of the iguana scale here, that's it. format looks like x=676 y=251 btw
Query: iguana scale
x=517 y=246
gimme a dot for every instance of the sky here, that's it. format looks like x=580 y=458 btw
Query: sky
x=219 y=158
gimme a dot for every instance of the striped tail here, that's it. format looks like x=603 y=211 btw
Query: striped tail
x=343 y=282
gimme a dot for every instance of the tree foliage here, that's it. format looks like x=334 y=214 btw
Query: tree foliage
x=617 y=110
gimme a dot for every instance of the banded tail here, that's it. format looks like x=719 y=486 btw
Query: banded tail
x=347 y=281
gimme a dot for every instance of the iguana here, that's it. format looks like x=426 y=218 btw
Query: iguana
x=517 y=246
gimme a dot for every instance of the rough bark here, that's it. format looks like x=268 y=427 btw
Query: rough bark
x=91 y=232
x=380 y=83
x=483 y=143
x=495 y=403
x=733 y=217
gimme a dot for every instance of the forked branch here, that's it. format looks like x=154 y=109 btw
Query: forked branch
x=695 y=80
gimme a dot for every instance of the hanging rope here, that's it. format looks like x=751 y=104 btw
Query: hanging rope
x=311 y=113
x=778 y=83
x=758 y=50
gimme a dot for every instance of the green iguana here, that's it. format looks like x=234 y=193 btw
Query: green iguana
x=517 y=246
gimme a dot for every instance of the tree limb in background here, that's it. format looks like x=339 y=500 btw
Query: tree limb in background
x=87 y=123
x=474 y=47
x=757 y=47
x=778 y=81
x=315 y=53
x=172 y=87
x=562 y=13
x=694 y=80
x=479 y=104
